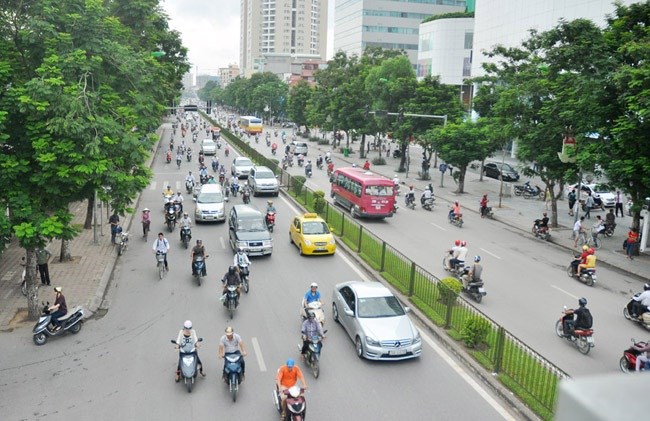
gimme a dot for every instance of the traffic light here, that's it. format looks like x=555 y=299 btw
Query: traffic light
x=366 y=111
x=208 y=106
x=400 y=118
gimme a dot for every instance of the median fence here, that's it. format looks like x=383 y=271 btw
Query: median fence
x=516 y=365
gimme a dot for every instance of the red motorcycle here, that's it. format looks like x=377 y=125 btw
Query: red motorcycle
x=270 y=220
x=583 y=339
x=169 y=156
x=628 y=360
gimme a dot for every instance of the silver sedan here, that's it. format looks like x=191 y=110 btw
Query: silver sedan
x=376 y=321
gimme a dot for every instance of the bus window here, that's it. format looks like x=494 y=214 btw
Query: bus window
x=379 y=191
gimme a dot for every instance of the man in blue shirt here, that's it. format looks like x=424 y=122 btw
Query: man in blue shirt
x=313 y=295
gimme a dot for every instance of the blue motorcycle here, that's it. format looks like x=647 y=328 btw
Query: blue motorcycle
x=233 y=372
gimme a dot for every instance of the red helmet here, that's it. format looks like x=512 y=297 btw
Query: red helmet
x=592 y=251
x=457 y=242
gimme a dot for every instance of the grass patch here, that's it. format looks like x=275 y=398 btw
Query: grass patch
x=532 y=402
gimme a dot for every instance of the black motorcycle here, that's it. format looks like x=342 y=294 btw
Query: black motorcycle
x=312 y=356
x=186 y=236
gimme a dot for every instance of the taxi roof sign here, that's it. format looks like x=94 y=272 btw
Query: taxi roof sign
x=310 y=215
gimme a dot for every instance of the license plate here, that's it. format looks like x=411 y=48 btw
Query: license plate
x=320 y=249
x=254 y=250
x=590 y=339
x=397 y=352
x=482 y=291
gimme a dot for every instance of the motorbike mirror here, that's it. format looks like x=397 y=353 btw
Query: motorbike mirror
x=173 y=341
x=200 y=340
x=194 y=199
x=325 y=331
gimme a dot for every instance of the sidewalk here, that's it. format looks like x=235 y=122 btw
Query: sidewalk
x=515 y=211
x=84 y=279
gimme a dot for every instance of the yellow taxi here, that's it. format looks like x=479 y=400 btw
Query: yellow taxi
x=311 y=235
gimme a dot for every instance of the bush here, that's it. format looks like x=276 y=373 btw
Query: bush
x=315 y=139
x=475 y=331
x=322 y=141
x=297 y=182
x=424 y=175
x=448 y=289
x=378 y=161
x=319 y=201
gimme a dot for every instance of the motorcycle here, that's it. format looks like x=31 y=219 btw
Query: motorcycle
x=330 y=169
x=296 y=404
x=233 y=372
x=244 y=274
x=268 y=141
x=178 y=162
x=319 y=163
x=409 y=199
x=274 y=151
x=457 y=270
x=583 y=339
x=473 y=289
x=487 y=212
x=189 y=362
x=189 y=186
x=70 y=322
x=427 y=204
x=533 y=192
x=456 y=220
x=609 y=230
x=587 y=276
x=246 y=196
x=123 y=243
x=222 y=177
x=189 y=155
x=219 y=144
x=168 y=157
x=230 y=300
x=308 y=170
x=194 y=137
x=234 y=188
x=541 y=232
x=186 y=236
x=270 y=221
x=317 y=308
x=198 y=266
x=312 y=356
x=227 y=151
x=215 y=165
x=301 y=161
x=170 y=218
x=627 y=363
x=643 y=319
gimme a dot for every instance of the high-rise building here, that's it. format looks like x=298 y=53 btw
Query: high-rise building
x=392 y=25
x=293 y=28
x=228 y=74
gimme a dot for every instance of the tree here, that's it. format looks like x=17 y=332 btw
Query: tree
x=299 y=96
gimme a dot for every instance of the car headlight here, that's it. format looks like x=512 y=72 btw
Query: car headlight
x=331 y=242
x=370 y=341
x=241 y=244
x=417 y=338
x=307 y=242
x=267 y=243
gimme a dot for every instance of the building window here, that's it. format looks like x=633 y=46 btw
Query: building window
x=426 y=41
x=469 y=40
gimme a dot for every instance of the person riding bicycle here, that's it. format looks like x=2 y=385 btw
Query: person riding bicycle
x=145 y=219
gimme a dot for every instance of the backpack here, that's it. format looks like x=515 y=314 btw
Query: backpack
x=587 y=319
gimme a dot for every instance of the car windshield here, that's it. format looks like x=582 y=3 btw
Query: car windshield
x=379 y=307
x=210 y=197
x=244 y=162
x=379 y=190
x=256 y=224
x=315 y=228
x=209 y=144
x=264 y=174
x=507 y=167
x=602 y=188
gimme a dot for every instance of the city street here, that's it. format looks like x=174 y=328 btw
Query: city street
x=121 y=365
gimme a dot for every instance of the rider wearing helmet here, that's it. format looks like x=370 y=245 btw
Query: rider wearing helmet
x=178 y=201
x=580 y=318
x=460 y=256
x=269 y=206
x=287 y=377
x=231 y=343
x=187 y=334
x=185 y=223
x=313 y=295
x=310 y=328
x=582 y=259
x=454 y=212
x=590 y=261
x=231 y=278
x=641 y=302
x=199 y=251
x=241 y=258
x=454 y=253
x=475 y=272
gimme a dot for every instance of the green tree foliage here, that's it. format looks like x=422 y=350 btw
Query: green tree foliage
x=299 y=96
x=254 y=95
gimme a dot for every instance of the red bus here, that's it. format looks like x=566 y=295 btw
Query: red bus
x=364 y=193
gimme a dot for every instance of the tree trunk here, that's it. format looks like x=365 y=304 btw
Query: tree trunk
x=402 y=161
x=362 y=147
x=88 y=223
x=65 y=255
x=33 y=308
x=461 y=179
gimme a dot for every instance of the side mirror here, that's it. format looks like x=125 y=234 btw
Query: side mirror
x=173 y=341
x=349 y=312
x=200 y=340
x=226 y=198
x=193 y=199
x=407 y=309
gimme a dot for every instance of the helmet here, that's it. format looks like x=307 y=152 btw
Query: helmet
x=311 y=314
x=313 y=285
x=231 y=270
x=240 y=250
x=185 y=213
x=592 y=251
x=477 y=258
x=290 y=363
x=229 y=330
x=545 y=214
x=187 y=324
x=585 y=247
x=146 y=210
x=646 y=287
x=457 y=242
x=582 y=301
x=463 y=243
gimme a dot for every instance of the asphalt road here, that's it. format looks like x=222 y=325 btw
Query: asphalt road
x=121 y=366
x=525 y=278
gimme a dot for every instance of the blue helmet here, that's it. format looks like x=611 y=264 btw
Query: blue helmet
x=290 y=363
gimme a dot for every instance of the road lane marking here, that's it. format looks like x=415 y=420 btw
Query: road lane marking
x=153 y=185
x=491 y=254
x=438 y=226
x=461 y=372
x=223 y=243
x=567 y=293
x=258 y=354
x=363 y=277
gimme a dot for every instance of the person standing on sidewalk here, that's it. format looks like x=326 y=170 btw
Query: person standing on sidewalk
x=42 y=258
x=114 y=220
x=619 y=202
x=547 y=199
x=572 y=201
x=589 y=204
x=578 y=230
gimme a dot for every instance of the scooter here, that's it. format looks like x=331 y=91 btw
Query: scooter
x=123 y=243
x=308 y=170
x=170 y=218
x=583 y=339
x=234 y=188
x=168 y=157
x=296 y=404
x=189 y=155
x=230 y=300
x=270 y=221
x=178 y=162
x=233 y=372
x=189 y=362
x=457 y=270
x=456 y=220
x=312 y=356
x=246 y=196
x=427 y=204
x=189 y=186
x=541 y=232
x=317 y=308
x=301 y=161
x=244 y=273
x=198 y=266
x=587 y=276
x=186 y=236
x=473 y=289
x=627 y=363
x=215 y=165
x=70 y=322
x=643 y=319
x=487 y=212
x=409 y=199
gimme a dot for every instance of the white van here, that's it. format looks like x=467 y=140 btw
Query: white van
x=210 y=204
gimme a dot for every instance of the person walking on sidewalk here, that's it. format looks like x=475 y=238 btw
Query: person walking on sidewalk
x=589 y=205
x=42 y=258
x=572 y=201
x=114 y=220
x=579 y=230
x=619 y=203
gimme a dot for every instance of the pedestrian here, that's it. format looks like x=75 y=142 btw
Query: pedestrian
x=114 y=220
x=388 y=151
x=589 y=204
x=366 y=165
x=630 y=242
x=42 y=258
x=572 y=201
x=547 y=199
x=451 y=169
x=619 y=202
x=578 y=230
x=367 y=147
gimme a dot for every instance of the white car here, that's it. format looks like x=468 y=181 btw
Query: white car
x=376 y=321
x=209 y=147
x=241 y=166
x=600 y=192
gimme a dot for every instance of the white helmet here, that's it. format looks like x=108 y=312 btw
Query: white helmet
x=313 y=285
x=187 y=324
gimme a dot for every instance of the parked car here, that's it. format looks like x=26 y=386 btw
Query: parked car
x=376 y=321
x=498 y=169
x=263 y=180
x=600 y=192
x=209 y=147
x=247 y=231
x=241 y=166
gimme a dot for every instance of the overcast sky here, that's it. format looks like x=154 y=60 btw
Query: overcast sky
x=210 y=30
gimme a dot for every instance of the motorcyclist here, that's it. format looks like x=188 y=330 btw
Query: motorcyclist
x=203 y=174
x=185 y=223
x=590 y=261
x=215 y=164
x=308 y=168
x=483 y=203
x=475 y=272
x=410 y=195
x=241 y=259
x=199 y=251
x=311 y=296
x=287 y=377
x=179 y=156
x=178 y=201
x=426 y=194
x=580 y=259
x=310 y=327
x=454 y=213
x=58 y=309
x=201 y=157
x=641 y=302
x=319 y=162
x=232 y=343
x=190 y=178
x=301 y=159
x=330 y=167
x=231 y=278
x=454 y=253
x=168 y=191
x=460 y=255
x=582 y=318
x=610 y=220
x=185 y=335
x=269 y=206
x=234 y=184
x=274 y=147
x=168 y=155
x=366 y=165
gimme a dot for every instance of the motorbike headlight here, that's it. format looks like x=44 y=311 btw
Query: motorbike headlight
x=370 y=341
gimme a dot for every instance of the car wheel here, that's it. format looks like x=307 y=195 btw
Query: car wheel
x=300 y=249
x=358 y=346
x=335 y=313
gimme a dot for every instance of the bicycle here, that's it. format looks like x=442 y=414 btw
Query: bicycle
x=591 y=241
x=160 y=258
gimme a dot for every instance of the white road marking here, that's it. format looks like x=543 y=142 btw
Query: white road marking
x=8 y=294
x=223 y=243
x=461 y=372
x=153 y=185
x=567 y=293
x=438 y=226
x=258 y=354
x=491 y=254
x=362 y=276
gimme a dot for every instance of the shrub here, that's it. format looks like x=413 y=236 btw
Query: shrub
x=322 y=141
x=297 y=182
x=424 y=175
x=319 y=201
x=475 y=331
x=448 y=289
x=315 y=139
x=378 y=161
